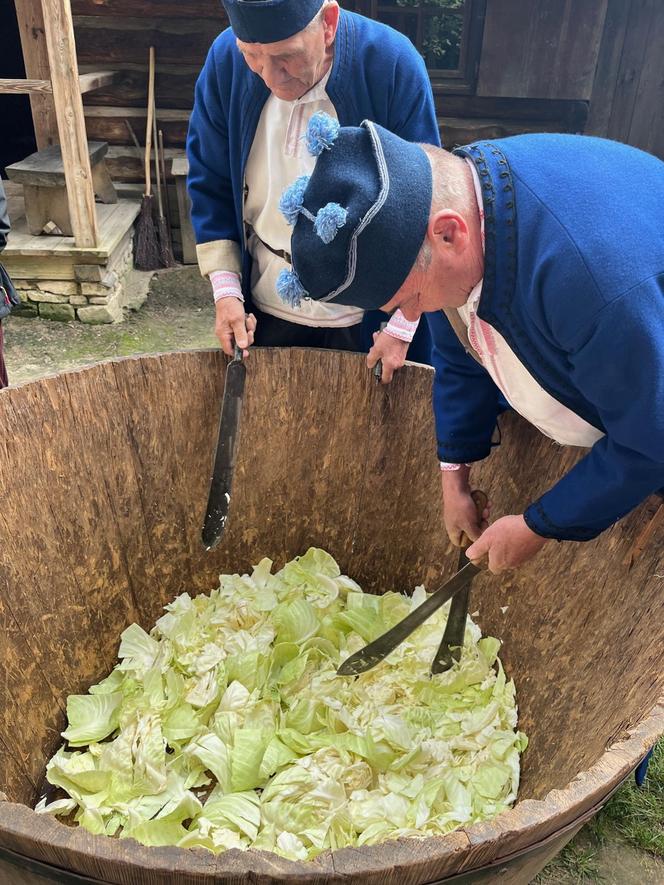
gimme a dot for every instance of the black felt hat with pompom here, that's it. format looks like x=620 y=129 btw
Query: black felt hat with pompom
x=359 y=220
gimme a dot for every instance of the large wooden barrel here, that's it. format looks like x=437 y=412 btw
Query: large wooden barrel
x=103 y=478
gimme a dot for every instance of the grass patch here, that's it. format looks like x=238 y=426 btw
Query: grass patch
x=637 y=813
x=576 y=863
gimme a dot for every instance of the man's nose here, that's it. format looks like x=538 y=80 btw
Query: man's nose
x=274 y=75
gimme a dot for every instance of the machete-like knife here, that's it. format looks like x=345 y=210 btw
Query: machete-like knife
x=380 y=648
x=219 y=500
x=376 y=651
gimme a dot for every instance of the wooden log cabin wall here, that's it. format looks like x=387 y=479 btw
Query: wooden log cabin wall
x=556 y=65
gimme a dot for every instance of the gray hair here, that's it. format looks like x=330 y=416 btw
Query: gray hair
x=449 y=191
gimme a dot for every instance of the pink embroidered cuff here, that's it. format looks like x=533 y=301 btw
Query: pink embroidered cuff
x=447 y=467
x=401 y=328
x=225 y=284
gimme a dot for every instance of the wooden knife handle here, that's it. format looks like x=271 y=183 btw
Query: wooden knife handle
x=481 y=502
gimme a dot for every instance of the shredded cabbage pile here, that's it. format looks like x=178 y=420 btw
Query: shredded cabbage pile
x=227 y=726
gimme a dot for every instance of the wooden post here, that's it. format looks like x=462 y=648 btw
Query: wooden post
x=33 y=43
x=61 y=46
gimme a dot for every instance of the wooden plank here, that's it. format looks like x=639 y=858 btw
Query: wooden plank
x=174 y=87
x=97 y=80
x=59 y=31
x=86 y=82
x=180 y=167
x=639 y=26
x=125 y=163
x=188 y=239
x=541 y=50
x=647 y=126
x=505 y=108
x=26 y=255
x=109 y=124
x=456 y=131
x=116 y=40
x=24 y=87
x=46 y=168
x=33 y=43
x=151 y=9
x=608 y=67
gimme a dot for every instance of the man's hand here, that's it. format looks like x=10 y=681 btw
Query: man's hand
x=459 y=510
x=391 y=351
x=508 y=543
x=233 y=326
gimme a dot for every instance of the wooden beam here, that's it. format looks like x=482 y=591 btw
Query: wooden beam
x=97 y=80
x=86 y=83
x=59 y=30
x=33 y=43
x=21 y=87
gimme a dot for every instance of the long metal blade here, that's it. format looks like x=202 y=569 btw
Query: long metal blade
x=219 y=500
x=376 y=651
x=451 y=644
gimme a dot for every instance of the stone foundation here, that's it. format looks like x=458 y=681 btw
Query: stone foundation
x=97 y=294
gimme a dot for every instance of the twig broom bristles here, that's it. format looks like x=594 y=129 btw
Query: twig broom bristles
x=163 y=231
x=147 y=245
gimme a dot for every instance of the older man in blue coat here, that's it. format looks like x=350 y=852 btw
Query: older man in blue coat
x=280 y=63
x=539 y=261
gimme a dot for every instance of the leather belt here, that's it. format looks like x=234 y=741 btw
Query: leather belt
x=280 y=253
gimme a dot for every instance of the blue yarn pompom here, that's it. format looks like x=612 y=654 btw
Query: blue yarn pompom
x=321 y=133
x=290 y=289
x=328 y=221
x=291 y=200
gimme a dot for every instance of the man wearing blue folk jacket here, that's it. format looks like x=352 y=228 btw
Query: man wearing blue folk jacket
x=539 y=260
x=265 y=77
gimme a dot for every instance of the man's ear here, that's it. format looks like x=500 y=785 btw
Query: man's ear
x=330 y=22
x=447 y=230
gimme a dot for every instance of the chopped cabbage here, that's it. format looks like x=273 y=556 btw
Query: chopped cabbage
x=227 y=726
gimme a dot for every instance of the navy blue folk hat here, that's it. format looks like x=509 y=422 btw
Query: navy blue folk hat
x=359 y=220
x=268 y=21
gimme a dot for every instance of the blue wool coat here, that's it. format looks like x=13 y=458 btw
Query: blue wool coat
x=574 y=281
x=377 y=74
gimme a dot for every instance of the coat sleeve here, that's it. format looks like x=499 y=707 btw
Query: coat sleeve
x=412 y=108
x=210 y=179
x=4 y=218
x=620 y=368
x=466 y=402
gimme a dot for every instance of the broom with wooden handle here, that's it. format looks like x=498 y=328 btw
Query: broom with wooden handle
x=147 y=244
x=163 y=230
x=164 y=179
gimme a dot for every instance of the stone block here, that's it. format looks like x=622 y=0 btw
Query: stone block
x=48 y=297
x=136 y=286
x=93 y=289
x=61 y=312
x=78 y=300
x=99 y=300
x=98 y=313
x=89 y=273
x=25 y=310
x=59 y=287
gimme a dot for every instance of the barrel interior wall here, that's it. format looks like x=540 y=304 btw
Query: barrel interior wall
x=107 y=475
x=586 y=664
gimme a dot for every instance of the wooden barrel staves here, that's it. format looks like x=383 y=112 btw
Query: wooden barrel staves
x=104 y=477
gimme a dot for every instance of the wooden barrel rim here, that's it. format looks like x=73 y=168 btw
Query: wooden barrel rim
x=470 y=847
